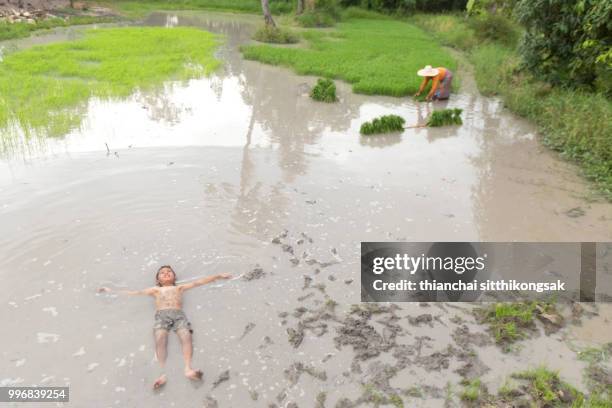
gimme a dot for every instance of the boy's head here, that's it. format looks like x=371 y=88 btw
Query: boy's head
x=165 y=276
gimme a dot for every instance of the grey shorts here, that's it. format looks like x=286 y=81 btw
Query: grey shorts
x=171 y=319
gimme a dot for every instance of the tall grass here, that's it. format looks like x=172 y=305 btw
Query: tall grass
x=377 y=57
x=44 y=88
x=575 y=123
x=136 y=9
x=10 y=31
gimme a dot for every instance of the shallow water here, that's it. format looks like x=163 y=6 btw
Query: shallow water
x=202 y=175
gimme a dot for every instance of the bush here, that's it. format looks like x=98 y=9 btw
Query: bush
x=324 y=91
x=495 y=27
x=567 y=42
x=407 y=6
x=315 y=19
x=383 y=124
x=445 y=117
x=269 y=34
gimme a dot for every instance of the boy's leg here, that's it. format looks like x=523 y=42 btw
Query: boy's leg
x=161 y=352
x=184 y=335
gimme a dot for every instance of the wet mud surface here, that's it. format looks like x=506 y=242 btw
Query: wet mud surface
x=243 y=173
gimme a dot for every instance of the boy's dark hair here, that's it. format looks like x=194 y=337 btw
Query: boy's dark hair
x=159 y=270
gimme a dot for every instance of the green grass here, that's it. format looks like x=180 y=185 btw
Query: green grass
x=471 y=390
x=383 y=124
x=324 y=91
x=10 y=31
x=45 y=88
x=277 y=35
x=546 y=388
x=445 y=117
x=376 y=56
x=572 y=122
x=137 y=9
x=508 y=322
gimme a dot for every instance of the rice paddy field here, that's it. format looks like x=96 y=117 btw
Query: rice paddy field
x=44 y=87
x=378 y=57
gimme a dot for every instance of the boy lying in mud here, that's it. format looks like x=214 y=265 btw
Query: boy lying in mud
x=170 y=316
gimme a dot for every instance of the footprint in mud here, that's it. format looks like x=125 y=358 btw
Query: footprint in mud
x=575 y=212
x=224 y=376
x=255 y=273
x=247 y=329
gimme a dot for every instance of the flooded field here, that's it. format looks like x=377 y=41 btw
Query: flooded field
x=242 y=172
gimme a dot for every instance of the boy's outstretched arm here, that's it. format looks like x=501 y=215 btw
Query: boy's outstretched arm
x=147 y=291
x=204 y=281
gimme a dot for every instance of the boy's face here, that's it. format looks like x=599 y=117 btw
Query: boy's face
x=166 y=277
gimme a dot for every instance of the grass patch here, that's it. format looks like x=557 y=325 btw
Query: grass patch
x=508 y=322
x=546 y=389
x=10 y=31
x=275 y=35
x=452 y=30
x=471 y=390
x=324 y=91
x=315 y=19
x=44 y=88
x=598 y=375
x=383 y=124
x=445 y=117
x=376 y=56
x=571 y=122
x=138 y=9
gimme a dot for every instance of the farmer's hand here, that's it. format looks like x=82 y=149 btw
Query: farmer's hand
x=224 y=276
x=417 y=94
x=103 y=289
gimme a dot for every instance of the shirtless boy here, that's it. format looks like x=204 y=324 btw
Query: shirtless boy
x=170 y=316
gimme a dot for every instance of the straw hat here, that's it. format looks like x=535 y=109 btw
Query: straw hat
x=428 y=71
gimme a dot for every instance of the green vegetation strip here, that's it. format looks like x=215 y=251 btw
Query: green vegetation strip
x=376 y=56
x=383 y=124
x=141 y=8
x=573 y=122
x=324 y=91
x=445 y=117
x=9 y=31
x=44 y=88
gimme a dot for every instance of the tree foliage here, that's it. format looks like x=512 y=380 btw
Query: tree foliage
x=407 y=6
x=568 y=42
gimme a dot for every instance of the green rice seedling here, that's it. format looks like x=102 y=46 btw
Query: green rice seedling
x=275 y=35
x=324 y=91
x=546 y=388
x=508 y=322
x=445 y=117
x=10 y=31
x=44 y=89
x=383 y=124
x=471 y=390
x=378 y=57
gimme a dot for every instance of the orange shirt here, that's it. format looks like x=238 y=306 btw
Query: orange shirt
x=437 y=79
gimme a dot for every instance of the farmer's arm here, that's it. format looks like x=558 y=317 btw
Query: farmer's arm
x=423 y=85
x=434 y=86
x=147 y=291
x=204 y=281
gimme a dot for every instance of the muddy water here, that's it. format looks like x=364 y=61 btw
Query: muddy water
x=203 y=175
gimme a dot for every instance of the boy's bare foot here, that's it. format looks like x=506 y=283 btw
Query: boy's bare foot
x=194 y=375
x=160 y=382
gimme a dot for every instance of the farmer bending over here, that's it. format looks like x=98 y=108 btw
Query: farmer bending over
x=441 y=82
x=170 y=316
